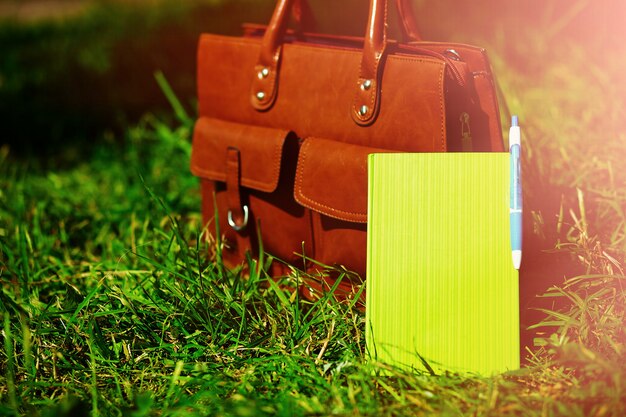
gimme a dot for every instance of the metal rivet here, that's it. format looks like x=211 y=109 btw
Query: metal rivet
x=453 y=54
x=363 y=110
x=263 y=73
x=260 y=95
x=366 y=84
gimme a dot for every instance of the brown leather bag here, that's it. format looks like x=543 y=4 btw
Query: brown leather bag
x=287 y=119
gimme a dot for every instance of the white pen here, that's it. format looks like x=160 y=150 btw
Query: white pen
x=515 y=207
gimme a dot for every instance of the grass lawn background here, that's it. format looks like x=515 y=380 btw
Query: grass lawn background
x=110 y=306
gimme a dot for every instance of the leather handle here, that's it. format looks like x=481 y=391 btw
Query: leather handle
x=409 y=28
x=303 y=17
x=367 y=89
x=264 y=84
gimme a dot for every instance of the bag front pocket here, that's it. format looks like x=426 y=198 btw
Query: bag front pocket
x=331 y=180
x=247 y=180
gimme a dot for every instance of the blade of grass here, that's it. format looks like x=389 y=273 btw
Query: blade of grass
x=178 y=108
x=93 y=387
x=10 y=369
x=173 y=382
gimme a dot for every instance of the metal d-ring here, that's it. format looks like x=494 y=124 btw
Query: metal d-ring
x=238 y=227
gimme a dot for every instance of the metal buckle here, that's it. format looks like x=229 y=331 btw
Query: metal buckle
x=238 y=227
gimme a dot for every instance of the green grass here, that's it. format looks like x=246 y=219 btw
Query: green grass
x=110 y=306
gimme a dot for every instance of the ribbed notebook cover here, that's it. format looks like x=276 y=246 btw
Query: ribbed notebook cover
x=440 y=279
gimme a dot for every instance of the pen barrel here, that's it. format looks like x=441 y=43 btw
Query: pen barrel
x=516 y=230
x=515 y=178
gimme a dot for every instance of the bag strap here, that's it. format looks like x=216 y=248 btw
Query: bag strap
x=304 y=20
x=366 y=101
x=410 y=28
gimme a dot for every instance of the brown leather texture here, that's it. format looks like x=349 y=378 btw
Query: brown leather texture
x=213 y=137
x=287 y=120
x=344 y=168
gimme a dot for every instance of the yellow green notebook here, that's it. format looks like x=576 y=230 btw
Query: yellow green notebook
x=442 y=292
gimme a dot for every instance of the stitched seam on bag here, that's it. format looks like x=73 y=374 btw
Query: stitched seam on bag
x=313 y=202
x=321 y=49
x=300 y=168
x=276 y=168
x=230 y=39
x=439 y=90
x=266 y=186
x=376 y=89
x=206 y=173
x=404 y=57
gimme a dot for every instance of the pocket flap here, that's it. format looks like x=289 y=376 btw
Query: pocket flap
x=332 y=178
x=261 y=150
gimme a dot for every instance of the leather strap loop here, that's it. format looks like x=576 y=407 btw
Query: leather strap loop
x=366 y=102
x=236 y=214
x=264 y=84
